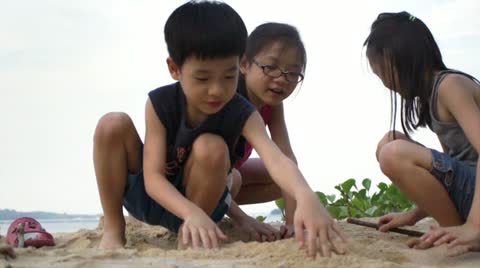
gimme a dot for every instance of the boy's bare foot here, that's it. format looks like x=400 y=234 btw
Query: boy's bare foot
x=112 y=240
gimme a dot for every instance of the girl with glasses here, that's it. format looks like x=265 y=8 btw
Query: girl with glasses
x=272 y=67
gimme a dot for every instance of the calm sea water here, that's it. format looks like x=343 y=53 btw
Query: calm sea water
x=58 y=225
x=73 y=225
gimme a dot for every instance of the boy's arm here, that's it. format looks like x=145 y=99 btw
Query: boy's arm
x=279 y=134
x=309 y=214
x=154 y=164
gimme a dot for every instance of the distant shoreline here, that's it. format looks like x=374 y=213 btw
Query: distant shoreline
x=11 y=214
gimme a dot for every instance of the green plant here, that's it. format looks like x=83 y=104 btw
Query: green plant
x=261 y=218
x=357 y=202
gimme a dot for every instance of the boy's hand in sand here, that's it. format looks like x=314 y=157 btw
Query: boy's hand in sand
x=201 y=230
x=459 y=239
x=394 y=220
x=312 y=216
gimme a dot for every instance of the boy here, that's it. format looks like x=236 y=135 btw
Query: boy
x=183 y=181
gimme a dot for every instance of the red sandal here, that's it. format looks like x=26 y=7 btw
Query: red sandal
x=28 y=232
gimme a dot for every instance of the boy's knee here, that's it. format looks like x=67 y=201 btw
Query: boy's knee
x=112 y=125
x=211 y=150
x=390 y=156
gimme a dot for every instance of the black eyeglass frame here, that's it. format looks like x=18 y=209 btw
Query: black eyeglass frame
x=282 y=72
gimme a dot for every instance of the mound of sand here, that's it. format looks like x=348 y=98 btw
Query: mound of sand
x=150 y=246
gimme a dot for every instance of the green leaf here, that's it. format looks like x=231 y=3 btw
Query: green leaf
x=371 y=211
x=367 y=183
x=261 y=218
x=331 y=198
x=334 y=211
x=348 y=184
x=322 y=198
x=382 y=186
x=280 y=204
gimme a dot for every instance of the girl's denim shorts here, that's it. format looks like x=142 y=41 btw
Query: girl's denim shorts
x=458 y=178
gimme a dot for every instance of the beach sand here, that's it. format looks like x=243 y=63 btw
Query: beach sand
x=149 y=246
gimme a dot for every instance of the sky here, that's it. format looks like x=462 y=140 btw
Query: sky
x=63 y=64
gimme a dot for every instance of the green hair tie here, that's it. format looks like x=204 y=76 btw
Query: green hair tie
x=411 y=18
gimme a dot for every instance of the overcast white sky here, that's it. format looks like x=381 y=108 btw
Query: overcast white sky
x=63 y=64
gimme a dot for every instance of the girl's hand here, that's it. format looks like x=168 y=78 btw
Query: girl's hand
x=312 y=216
x=201 y=230
x=394 y=220
x=257 y=230
x=459 y=239
x=286 y=231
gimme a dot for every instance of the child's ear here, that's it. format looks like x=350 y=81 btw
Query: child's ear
x=173 y=69
x=244 y=65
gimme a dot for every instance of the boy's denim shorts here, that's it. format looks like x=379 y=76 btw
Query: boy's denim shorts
x=141 y=206
x=458 y=178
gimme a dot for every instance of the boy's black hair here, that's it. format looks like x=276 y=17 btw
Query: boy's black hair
x=267 y=33
x=402 y=44
x=206 y=30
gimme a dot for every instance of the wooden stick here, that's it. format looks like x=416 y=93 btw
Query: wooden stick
x=376 y=226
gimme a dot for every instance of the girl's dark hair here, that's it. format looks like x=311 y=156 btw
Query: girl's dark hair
x=402 y=44
x=205 y=29
x=267 y=33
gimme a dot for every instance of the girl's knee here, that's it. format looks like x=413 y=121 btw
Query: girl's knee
x=390 y=156
x=211 y=150
x=112 y=125
x=387 y=138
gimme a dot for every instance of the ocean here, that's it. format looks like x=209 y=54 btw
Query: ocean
x=75 y=224
x=58 y=225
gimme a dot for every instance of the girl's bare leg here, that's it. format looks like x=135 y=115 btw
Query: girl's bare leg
x=408 y=166
x=257 y=185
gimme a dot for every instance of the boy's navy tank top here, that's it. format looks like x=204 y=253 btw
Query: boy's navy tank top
x=169 y=103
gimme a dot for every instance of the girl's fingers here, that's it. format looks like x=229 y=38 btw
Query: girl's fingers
x=458 y=250
x=283 y=231
x=384 y=219
x=444 y=239
x=220 y=234
x=455 y=242
x=276 y=233
x=288 y=233
x=435 y=235
x=386 y=226
x=257 y=237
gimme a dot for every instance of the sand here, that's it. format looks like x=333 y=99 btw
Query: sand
x=149 y=246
